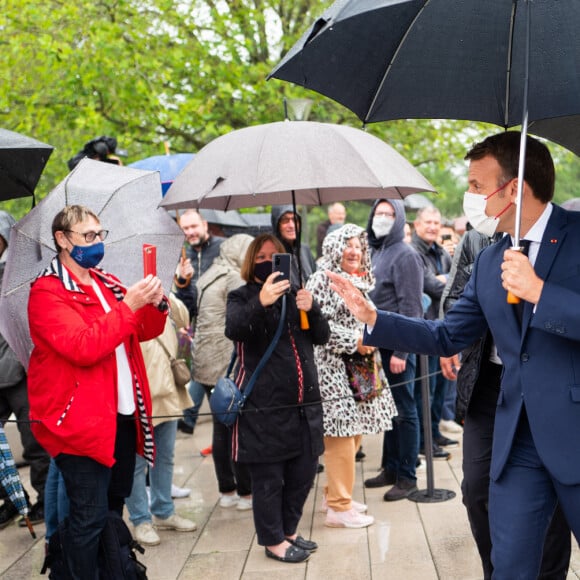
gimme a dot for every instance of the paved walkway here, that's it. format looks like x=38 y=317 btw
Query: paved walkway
x=409 y=541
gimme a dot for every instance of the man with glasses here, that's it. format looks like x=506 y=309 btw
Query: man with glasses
x=286 y=227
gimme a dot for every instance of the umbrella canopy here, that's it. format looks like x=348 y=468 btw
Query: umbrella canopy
x=169 y=167
x=316 y=163
x=10 y=479
x=126 y=201
x=22 y=161
x=443 y=59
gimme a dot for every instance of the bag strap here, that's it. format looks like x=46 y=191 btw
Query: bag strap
x=265 y=356
x=171 y=358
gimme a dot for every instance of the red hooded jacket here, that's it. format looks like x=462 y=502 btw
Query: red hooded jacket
x=72 y=375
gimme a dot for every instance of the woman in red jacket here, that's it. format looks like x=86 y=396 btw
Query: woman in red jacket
x=88 y=389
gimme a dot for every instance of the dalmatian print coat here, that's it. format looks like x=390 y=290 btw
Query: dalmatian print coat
x=342 y=415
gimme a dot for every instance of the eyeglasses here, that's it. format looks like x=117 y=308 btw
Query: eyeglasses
x=286 y=220
x=384 y=214
x=91 y=236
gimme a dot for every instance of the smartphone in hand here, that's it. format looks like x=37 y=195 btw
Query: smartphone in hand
x=149 y=260
x=281 y=263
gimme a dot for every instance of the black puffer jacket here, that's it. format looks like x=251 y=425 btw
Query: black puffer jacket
x=470 y=245
x=436 y=261
x=268 y=430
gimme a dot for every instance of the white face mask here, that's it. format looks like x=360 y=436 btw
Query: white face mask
x=474 y=208
x=474 y=205
x=382 y=225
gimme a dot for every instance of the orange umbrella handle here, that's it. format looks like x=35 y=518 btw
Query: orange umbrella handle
x=304 y=324
x=512 y=298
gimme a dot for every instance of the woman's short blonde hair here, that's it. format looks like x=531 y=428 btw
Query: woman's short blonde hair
x=69 y=216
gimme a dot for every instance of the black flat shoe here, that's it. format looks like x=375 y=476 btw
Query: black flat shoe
x=300 y=542
x=293 y=555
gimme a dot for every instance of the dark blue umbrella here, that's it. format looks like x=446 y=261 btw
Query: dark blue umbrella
x=10 y=479
x=169 y=167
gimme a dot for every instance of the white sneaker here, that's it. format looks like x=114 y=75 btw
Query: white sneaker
x=244 y=504
x=361 y=508
x=146 y=535
x=177 y=492
x=348 y=519
x=229 y=500
x=174 y=522
x=450 y=426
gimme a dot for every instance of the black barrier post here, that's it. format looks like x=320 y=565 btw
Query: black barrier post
x=429 y=495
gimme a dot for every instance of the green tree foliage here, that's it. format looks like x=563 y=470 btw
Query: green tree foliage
x=151 y=72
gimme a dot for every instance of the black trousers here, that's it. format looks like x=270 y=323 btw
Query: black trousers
x=279 y=491
x=231 y=475
x=477 y=445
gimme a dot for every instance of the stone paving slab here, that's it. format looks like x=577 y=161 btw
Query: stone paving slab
x=409 y=541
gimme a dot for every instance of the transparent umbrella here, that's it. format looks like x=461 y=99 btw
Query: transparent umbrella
x=126 y=201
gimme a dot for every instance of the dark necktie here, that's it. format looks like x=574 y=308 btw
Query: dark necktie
x=519 y=307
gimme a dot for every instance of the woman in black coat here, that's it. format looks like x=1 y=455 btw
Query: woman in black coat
x=279 y=434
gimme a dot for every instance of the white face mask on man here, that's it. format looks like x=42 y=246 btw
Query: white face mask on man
x=474 y=205
x=382 y=225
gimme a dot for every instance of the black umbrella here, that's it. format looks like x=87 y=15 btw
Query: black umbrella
x=507 y=62
x=22 y=161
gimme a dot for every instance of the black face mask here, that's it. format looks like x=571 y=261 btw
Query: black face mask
x=262 y=270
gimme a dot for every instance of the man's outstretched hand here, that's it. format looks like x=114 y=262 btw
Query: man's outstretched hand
x=353 y=298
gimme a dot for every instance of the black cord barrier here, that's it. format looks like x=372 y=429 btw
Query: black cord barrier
x=254 y=411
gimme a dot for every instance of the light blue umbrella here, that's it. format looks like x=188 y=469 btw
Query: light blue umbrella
x=169 y=167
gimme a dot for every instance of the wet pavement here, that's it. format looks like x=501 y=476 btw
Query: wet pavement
x=408 y=541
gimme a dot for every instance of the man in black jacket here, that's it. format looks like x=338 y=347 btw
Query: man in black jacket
x=437 y=264
x=201 y=248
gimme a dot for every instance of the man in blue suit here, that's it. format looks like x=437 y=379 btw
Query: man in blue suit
x=537 y=425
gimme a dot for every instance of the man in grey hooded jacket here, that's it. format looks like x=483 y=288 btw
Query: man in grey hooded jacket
x=399 y=271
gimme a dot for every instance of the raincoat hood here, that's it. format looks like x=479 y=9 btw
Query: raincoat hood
x=277 y=212
x=397 y=234
x=233 y=251
x=333 y=248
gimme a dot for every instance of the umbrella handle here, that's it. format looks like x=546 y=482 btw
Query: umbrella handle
x=304 y=324
x=512 y=298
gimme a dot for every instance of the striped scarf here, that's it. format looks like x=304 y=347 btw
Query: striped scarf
x=58 y=270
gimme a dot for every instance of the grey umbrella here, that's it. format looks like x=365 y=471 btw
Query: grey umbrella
x=298 y=162
x=314 y=163
x=507 y=62
x=126 y=201
x=22 y=160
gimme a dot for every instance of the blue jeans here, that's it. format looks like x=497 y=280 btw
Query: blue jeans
x=55 y=499
x=401 y=444
x=448 y=411
x=160 y=478
x=196 y=392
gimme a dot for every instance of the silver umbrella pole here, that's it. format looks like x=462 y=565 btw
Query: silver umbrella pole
x=522 y=160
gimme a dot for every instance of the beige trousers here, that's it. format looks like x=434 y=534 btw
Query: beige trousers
x=339 y=465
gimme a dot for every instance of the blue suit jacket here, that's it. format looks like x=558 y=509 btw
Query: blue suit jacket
x=541 y=359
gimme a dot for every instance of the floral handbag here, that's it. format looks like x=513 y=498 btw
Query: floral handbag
x=364 y=375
